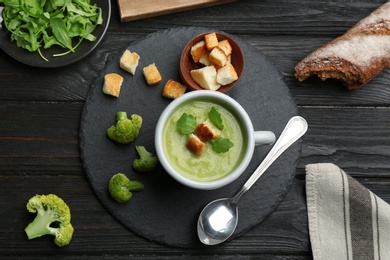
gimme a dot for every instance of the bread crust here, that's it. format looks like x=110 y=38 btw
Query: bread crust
x=206 y=77
x=355 y=57
x=112 y=84
x=129 y=61
x=173 y=89
x=198 y=50
x=226 y=74
x=195 y=145
x=225 y=46
x=211 y=40
x=206 y=131
x=218 y=57
x=152 y=75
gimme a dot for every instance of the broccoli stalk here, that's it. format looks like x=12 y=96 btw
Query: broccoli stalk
x=53 y=218
x=125 y=130
x=120 y=187
x=146 y=162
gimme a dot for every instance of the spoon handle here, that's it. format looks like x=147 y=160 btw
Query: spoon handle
x=295 y=128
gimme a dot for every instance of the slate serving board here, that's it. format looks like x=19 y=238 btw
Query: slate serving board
x=166 y=211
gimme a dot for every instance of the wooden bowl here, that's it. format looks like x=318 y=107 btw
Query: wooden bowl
x=187 y=63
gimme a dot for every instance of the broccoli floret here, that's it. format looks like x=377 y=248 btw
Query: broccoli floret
x=125 y=130
x=53 y=218
x=146 y=162
x=120 y=187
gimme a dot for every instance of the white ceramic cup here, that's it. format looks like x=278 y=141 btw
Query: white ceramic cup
x=253 y=139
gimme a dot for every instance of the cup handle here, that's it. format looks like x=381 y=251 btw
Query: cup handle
x=264 y=137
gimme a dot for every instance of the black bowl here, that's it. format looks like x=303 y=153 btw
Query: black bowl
x=35 y=60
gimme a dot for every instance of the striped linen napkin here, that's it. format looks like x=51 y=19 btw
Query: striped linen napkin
x=346 y=220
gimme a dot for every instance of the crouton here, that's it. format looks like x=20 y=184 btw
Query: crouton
x=226 y=75
x=129 y=61
x=229 y=60
x=207 y=131
x=173 y=89
x=225 y=47
x=218 y=57
x=112 y=84
x=206 y=77
x=211 y=40
x=152 y=75
x=195 y=145
x=198 y=50
x=205 y=59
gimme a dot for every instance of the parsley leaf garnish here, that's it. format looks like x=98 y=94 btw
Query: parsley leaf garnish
x=221 y=145
x=186 y=124
x=215 y=118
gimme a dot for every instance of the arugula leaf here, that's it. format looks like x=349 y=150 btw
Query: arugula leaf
x=186 y=124
x=221 y=145
x=36 y=24
x=60 y=32
x=215 y=118
x=32 y=7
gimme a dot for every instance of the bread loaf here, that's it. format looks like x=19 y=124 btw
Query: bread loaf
x=355 y=57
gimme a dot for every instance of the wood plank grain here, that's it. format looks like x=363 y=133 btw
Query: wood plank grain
x=44 y=138
x=37 y=136
x=285 y=230
x=283 y=52
x=280 y=29
x=104 y=235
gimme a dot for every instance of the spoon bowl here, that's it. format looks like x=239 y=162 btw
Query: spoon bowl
x=218 y=220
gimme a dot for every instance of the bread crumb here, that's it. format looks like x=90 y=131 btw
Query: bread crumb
x=195 y=145
x=129 y=61
x=198 y=50
x=225 y=46
x=205 y=59
x=226 y=74
x=112 y=84
x=206 y=77
x=211 y=40
x=207 y=131
x=218 y=57
x=211 y=52
x=173 y=89
x=152 y=75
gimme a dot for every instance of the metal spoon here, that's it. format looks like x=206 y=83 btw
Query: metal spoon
x=219 y=218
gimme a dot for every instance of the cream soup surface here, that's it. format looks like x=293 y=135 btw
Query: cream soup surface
x=210 y=165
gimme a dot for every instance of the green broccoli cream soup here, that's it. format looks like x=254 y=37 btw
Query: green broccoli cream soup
x=210 y=165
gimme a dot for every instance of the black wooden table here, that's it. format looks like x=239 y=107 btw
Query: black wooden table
x=40 y=113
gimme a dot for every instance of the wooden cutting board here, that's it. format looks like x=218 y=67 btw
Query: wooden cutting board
x=131 y=10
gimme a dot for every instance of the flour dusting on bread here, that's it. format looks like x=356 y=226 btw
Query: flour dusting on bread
x=355 y=57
